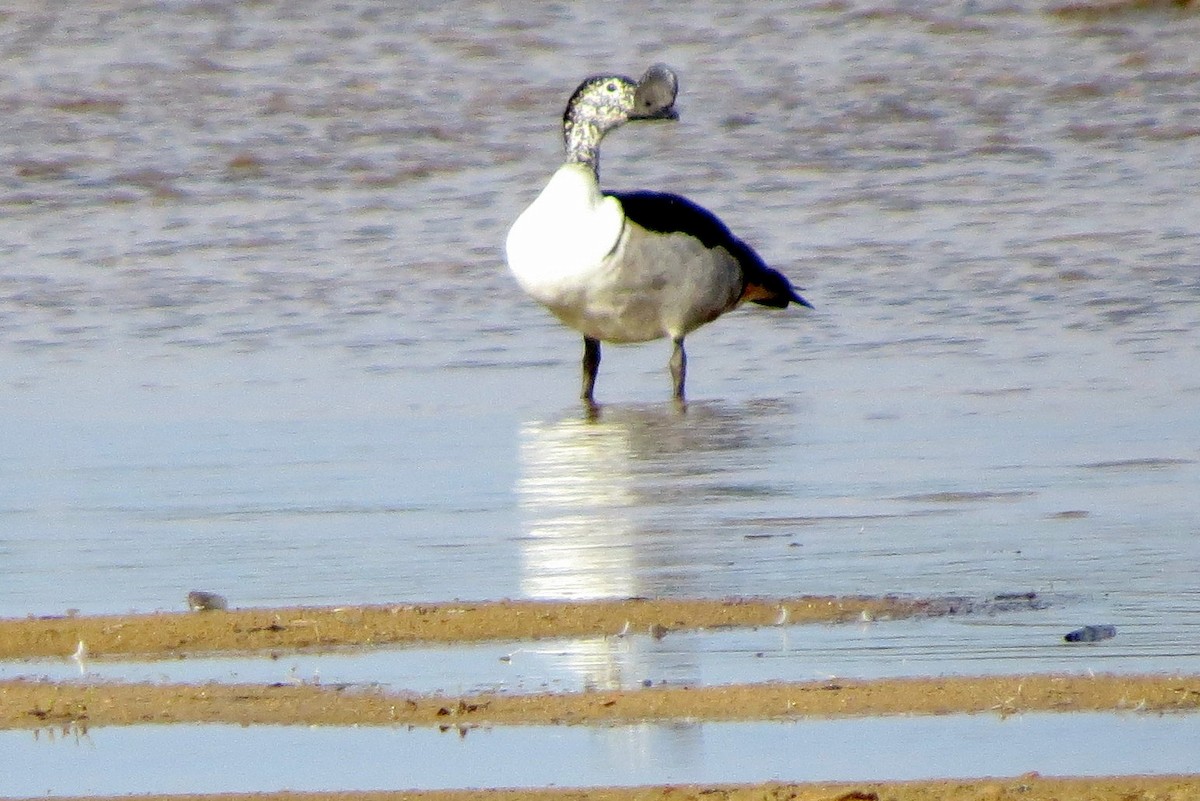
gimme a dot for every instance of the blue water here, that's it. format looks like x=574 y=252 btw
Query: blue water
x=1014 y=642
x=129 y=760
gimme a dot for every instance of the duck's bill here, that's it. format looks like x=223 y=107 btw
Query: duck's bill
x=655 y=95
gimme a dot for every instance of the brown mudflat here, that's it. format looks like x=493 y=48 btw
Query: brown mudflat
x=172 y=633
x=1020 y=788
x=34 y=704
x=79 y=705
x=31 y=704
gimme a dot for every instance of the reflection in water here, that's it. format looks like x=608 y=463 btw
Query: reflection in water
x=576 y=491
x=606 y=505
x=620 y=506
x=601 y=497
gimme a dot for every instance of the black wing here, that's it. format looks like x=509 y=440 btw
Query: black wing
x=665 y=213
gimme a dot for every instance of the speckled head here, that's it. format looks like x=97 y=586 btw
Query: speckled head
x=600 y=104
x=604 y=102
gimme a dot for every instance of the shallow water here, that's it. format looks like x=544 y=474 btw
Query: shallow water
x=127 y=760
x=1005 y=644
x=256 y=336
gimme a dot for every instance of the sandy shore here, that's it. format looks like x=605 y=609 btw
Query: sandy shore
x=34 y=704
x=1029 y=787
x=75 y=706
x=170 y=634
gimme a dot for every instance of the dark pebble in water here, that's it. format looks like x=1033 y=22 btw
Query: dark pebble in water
x=1091 y=634
x=200 y=601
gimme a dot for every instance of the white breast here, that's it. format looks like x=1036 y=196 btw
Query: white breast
x=564 y=236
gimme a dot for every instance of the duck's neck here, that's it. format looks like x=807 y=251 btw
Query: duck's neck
x=582 y=140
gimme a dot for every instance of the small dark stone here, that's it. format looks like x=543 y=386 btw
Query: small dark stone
x=200 y=601
x=1091 y=634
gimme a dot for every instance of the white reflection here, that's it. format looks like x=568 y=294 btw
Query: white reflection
x=598 y=496
x=576 y=493
x=612 y=507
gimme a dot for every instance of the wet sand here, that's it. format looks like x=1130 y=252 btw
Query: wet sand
x=76 y=706
x=1029 y=787
x=271 y=632
x=169 y=635
x=35 y=704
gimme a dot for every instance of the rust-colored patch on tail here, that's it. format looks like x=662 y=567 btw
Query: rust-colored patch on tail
x=767 y=295
x=768 y=287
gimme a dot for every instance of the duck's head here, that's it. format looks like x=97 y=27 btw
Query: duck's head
x=604 y=102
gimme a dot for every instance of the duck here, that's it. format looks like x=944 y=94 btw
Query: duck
x=630 y=266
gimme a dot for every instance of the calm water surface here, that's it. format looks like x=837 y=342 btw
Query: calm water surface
x=257 y=337
x=1003 y=644
x=129 y=760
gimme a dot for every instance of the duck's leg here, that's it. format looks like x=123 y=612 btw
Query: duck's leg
x=678 y=365
x=591 y=364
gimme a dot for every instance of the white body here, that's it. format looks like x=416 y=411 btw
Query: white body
x=574 y=251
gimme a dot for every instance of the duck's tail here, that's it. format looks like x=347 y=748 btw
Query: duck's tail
x=768 y=287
